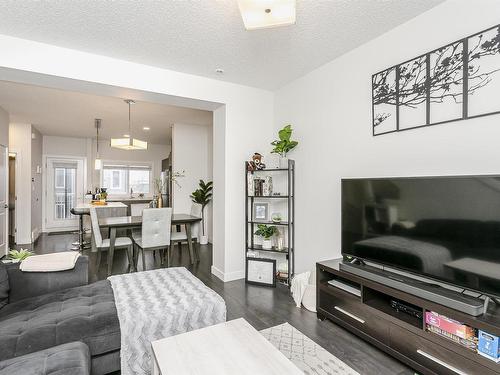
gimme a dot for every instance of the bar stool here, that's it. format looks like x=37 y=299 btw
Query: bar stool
x=81 y=244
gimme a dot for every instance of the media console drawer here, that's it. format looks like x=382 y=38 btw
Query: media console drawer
x=352 y=311
x=434 y=357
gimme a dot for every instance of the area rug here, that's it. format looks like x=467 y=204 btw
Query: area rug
x=308 y=356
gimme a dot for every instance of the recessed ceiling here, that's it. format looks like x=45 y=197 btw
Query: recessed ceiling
x=72 y=114
x=199 y=36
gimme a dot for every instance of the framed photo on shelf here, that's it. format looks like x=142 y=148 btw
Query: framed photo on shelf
x=261 y=271
x=261 y=211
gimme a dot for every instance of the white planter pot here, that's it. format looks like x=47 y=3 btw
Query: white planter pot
x=203 y=240
x=267 y=244
x=283 y=162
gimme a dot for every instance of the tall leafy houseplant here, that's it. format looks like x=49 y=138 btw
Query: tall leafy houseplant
x=284 y=145
x=203 y=196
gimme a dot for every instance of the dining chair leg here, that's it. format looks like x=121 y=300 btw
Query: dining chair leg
x=169 y=256
x=143 y=259
x=196 y=246
x=98 y=261
x=136 y=257
x=130 y=256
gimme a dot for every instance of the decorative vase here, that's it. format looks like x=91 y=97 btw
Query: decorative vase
x=160 y=201
x=203 y=240
x=283 y=162
x=267 y=244
x=280 y=241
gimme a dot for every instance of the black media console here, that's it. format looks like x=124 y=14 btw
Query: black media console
x=393 y=320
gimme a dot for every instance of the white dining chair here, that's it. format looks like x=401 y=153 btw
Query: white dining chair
x=137 y=208
x=103 y=244
x=154 y=234
x=180 y=237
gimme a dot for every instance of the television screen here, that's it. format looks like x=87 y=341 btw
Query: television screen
x=445 y=228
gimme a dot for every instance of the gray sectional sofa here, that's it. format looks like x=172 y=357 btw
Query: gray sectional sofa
x=39 y=311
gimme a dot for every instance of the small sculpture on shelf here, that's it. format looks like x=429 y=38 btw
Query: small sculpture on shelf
x=256 y=163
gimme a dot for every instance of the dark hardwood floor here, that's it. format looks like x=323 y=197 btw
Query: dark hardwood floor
x=260 y=306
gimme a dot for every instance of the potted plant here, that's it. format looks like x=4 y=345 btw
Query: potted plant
x=266 y=232
x=203 y=196
x=19 y=255
x=284 y=145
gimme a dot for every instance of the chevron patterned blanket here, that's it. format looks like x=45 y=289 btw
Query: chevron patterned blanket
x=155 y=304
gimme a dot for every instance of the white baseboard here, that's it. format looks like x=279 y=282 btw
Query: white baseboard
x=230 y=276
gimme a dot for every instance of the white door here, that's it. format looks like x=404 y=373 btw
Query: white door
x=4 y=199
x=65 y=189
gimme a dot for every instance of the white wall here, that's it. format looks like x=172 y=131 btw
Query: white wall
x=330 y=109
x=4 y=127
x=20 y=143
x=191 y=152
x=36 y=182
x=243 y=119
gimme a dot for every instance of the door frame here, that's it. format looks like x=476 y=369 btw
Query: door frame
x=6 y=200
x=16 y=188
x=83 y=159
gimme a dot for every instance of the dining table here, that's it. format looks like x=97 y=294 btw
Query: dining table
x=135 y=222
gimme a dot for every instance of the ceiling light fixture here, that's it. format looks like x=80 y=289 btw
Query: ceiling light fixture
x=267 y=13
x=146 y=128
x=129 y=143
x=98 y=161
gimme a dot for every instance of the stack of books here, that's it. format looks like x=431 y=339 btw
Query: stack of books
x=451 y=329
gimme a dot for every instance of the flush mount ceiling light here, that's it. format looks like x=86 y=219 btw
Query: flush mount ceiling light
x=129 y=143
x=261 y=14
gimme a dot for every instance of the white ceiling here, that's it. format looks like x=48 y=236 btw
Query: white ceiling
x=72 y=114
x=198 y=36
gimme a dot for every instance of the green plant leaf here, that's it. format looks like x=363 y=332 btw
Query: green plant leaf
x=285 y=133
x=284 y=144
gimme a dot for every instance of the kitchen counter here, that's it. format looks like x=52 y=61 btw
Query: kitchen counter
x=131 y=200
x=85 y=207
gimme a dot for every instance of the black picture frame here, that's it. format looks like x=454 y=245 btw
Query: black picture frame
x=458 y=63
x=264 y=260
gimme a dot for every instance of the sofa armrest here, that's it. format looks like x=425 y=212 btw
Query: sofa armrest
x=30 y=284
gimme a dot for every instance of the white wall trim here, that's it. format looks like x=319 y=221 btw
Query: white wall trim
x=230 y=276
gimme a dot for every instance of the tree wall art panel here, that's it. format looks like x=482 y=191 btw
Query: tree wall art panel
x=412 y=97
x=456 y=82
x=484 y=73
x=384 y=102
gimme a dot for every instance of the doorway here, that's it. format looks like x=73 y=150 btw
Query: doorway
x=64 y=190
x=12 y=197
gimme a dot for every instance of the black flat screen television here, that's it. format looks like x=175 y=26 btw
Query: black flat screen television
x=443 y=228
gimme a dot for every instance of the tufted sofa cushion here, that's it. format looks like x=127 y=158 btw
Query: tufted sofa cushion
x=67 y=359
x=4 y=285
x=86 y=313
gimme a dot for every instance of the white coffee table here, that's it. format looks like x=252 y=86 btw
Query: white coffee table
x=230 y=348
